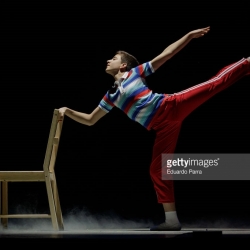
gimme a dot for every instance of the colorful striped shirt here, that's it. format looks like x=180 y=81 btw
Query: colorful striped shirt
x=133 y=97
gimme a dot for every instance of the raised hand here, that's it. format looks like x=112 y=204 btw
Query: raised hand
x=199 y=32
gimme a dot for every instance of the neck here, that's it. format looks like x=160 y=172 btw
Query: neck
x=118 y=75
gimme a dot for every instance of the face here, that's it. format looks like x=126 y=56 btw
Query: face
x=114 y=65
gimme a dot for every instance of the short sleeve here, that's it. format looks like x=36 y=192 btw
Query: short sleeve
x=144 y=69
x=105 y=104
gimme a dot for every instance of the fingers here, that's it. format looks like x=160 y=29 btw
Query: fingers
x=61 y=112
x=200 y=32
x=206 y=29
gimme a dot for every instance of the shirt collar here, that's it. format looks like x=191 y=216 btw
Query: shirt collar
x=124 y=75
x=119 y=81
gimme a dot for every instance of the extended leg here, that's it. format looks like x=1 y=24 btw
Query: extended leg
x=190 y=99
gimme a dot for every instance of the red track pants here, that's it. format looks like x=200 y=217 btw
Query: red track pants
x=173 y=110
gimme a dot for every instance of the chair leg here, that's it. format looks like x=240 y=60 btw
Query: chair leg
x=57 y=203
x=4 y=203
x=51 y=202
x=1 y=199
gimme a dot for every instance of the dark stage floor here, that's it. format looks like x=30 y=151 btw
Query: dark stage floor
x=141 y=233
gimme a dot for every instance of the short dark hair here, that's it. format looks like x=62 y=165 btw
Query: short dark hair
x=128 y=58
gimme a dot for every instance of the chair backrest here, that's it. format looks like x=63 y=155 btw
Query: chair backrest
x=53 y=142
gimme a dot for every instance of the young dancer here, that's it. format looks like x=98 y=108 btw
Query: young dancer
x=163 y=113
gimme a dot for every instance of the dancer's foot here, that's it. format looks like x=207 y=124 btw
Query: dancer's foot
x=166 y=227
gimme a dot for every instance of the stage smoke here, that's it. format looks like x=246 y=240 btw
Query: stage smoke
x=77 y=219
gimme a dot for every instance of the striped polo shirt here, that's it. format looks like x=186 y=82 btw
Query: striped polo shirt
x=133 y=97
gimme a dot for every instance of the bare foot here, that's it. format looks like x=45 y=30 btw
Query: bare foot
x=248 y=59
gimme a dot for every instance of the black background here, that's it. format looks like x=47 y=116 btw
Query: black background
x=54 y=55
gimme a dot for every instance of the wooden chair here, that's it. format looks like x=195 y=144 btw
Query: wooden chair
x=47 y=175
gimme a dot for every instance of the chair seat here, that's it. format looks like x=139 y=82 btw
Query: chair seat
x=24 y=216
x=12 y=176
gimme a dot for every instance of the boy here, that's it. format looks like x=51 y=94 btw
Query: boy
x=161 y=112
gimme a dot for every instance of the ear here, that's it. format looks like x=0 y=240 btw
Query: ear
x=123 y=67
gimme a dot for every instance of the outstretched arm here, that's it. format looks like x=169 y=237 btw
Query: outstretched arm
x=86 y=119
x=175 y=47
